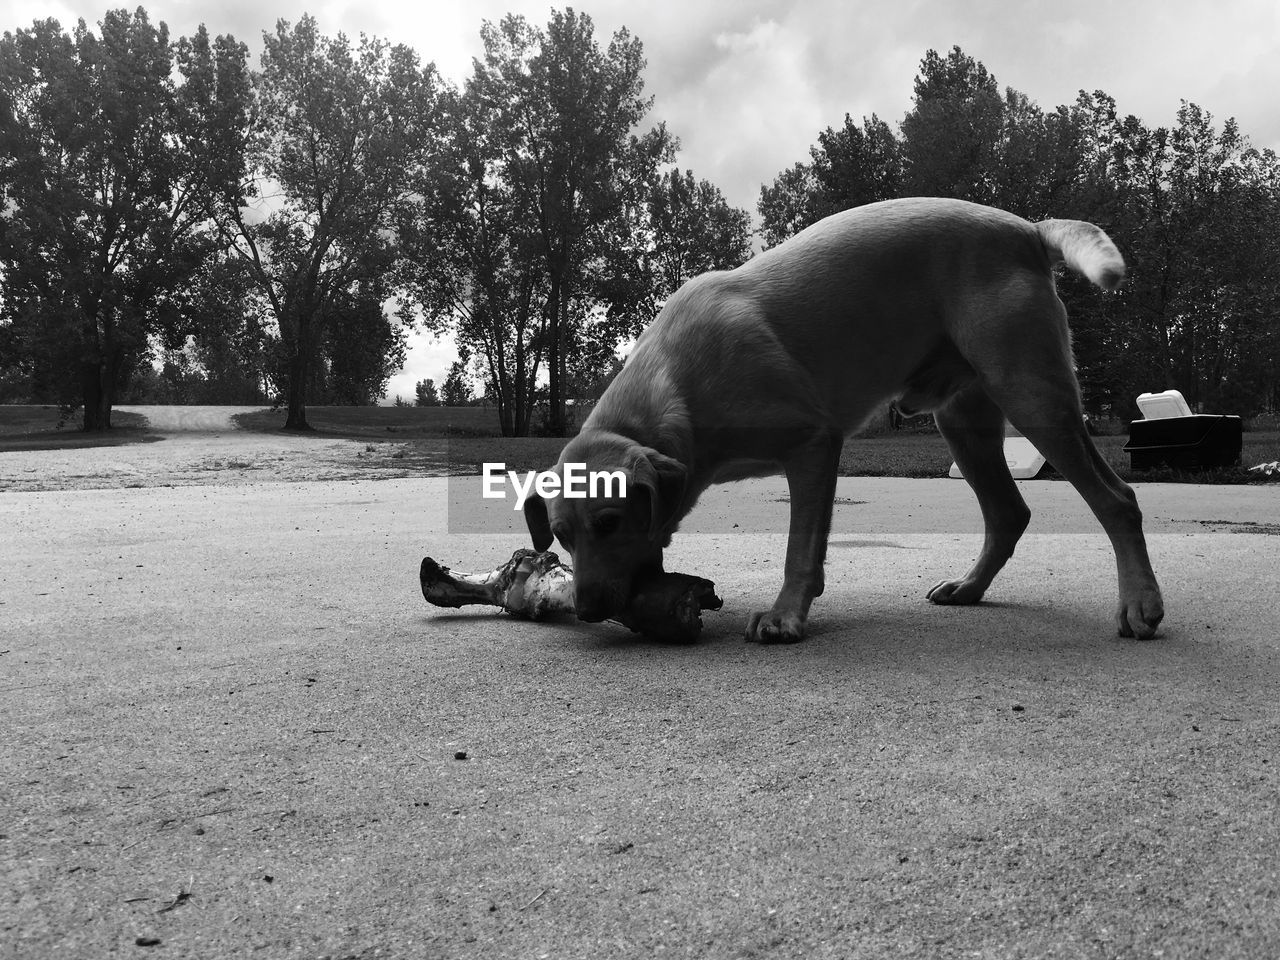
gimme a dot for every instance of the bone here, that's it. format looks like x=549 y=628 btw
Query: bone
x=536 y=585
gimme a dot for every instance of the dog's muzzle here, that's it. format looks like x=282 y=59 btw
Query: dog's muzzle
x=596 y=603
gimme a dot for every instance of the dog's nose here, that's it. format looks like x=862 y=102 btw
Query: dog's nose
x=592 y=612
x=592 y=605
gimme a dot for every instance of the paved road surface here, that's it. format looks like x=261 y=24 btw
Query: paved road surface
x=233 y=727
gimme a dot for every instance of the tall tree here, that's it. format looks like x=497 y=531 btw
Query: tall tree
x=952 y=133
x=329 y=135
x=848 y=167
x=1194 y=208
x=479 y=267
x=856 y=165
x=426 y=394
x=225 y=333
x=538 y=242
x=1200 y=219
x=694 y=230
x=789 y=204
x=564 y=112
x=456 y=391
x=683 y=227
x=102 y=220
x=362 y=350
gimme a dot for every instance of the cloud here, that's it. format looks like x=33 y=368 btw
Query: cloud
x=752 y=102
x=23 y=13
x=748 y=84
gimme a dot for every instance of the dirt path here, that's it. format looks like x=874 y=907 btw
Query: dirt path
x=202 y=446
x=174 y=419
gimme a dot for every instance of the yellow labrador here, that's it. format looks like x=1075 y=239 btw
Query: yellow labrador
x=946 y=305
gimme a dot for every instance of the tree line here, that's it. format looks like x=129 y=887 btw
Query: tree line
x=273 y=231
x=1195 y=209
x=277 y=229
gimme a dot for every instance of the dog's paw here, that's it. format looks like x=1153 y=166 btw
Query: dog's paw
x=955 y=592
x=1139 y=614
x=774 y=626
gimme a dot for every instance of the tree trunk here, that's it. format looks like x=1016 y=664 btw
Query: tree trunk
x=96 y=379
x=519 y=388
x=559 y=417
x=97 y=369
x=558 y=425
x=528 y=411
x=299 y=362
x=505 y=423
x=555 y=395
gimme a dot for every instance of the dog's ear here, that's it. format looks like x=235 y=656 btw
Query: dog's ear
x=664 y=478
x=535 y=517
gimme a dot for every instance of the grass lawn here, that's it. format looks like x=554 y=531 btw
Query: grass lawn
x=926 y=455
x=902 y=454
x=384 y=423
x=35 y=427
x=463 y=438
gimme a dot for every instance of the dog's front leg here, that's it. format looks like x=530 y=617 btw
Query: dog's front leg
x=811 y=478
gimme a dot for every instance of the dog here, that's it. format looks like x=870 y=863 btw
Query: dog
x=944 y=305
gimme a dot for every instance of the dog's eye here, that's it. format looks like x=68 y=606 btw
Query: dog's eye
x=604 y=524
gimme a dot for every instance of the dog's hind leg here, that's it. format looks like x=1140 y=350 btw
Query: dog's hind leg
x=974 y=430
x=1066 y=444
x=1032 y=380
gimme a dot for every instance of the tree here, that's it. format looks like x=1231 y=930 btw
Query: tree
x=683 y=227
x=314 y=182
x=544 y=239
x=456 y=391
x=426 y=394
x=102 y=223
x=479 y=269
x=694 y=230
x=362 y=349
x=1200 y=214
x=1195 y=209
x=952 y=133
x=789 y=205
x=1039 y=159
x=857 y=165
x=848 y=168
x=563 y=112
x=225 y=334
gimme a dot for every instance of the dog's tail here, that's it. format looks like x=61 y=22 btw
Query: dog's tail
x=1084 y=248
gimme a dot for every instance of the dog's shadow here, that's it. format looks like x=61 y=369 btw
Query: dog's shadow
x=993 y=627
x=1008 y=631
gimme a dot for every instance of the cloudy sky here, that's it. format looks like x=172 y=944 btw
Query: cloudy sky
x=747 y=84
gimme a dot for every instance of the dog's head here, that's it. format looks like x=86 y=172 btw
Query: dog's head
x=618 y=529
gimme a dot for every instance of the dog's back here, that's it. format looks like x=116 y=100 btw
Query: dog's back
x=843 y=314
